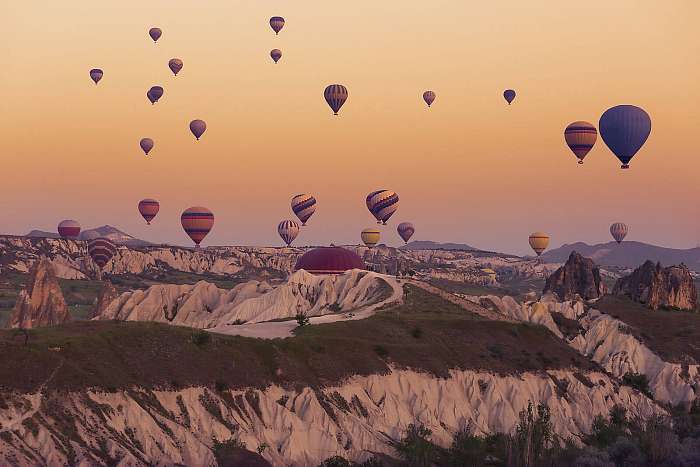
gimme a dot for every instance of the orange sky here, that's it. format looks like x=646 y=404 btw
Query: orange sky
x=471 y=169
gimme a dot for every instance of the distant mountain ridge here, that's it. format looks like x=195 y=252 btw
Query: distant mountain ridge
x=107 y=231
x=626 y=254
x=429 y=245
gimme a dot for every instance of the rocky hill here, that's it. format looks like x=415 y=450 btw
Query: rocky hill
x=112 y=233
x=656 y=286
x=579 y=277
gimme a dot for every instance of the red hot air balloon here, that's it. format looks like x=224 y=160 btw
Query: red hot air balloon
x=175 y=65
x=149 y=209
x=101 y=250
x=96 y=75
x=197 y=222
x=429 y=97
x=406 y=231
x=335 y=95
x=509 y=95
x=198 y=127
x=277 y=23
x=276 y=54
x=69 y=229
x=154 y=94
x=155 y=34
x=146 y=145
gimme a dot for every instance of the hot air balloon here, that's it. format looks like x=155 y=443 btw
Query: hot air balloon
x=370 y=236
x=619 y=231
x=276 y=54
x=539 y=242
x=580 y=137
x=625 y=129
x=149 y=209
x=406 y=231
x=101 y=250
x=96 y=75
x=197 y=222
x=155 y=93
x=146 y=144
x=429 y=97
x=303 y=206
x=277 y=23
x=155 y=34
x=382 y=204
x=336 y=95
x=509 y=95
x=175 y=65
x=69 y=229
x=198 y=127
x=288 y=230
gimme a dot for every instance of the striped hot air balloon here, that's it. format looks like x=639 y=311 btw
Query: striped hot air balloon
x=149 y=209
x=175 y=65
x=406 y=231
x=276 y=54
x=539 y=241
x=619 y=231
x=197 y=222
x=303 y=206
x=101 y=250
x=277 y=23
x=580 y=137
x=429 y=97
x=288 y=230
x=382 y=204
x=335 y=95
x=96 y=75
x=625 y=129
x=370 y=236
x=69 y=228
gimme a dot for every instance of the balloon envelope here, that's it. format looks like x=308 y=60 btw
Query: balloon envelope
x=276 y=54
x=69 y=228
x=277 y=23
x=625 y=129
x=335 y=95
x=406 y=231
x=146 y=145
x=175 y=65
x=370 y=237
x=154 y=94
x=303 y=206
x=429 y=97
x=149 y=209
x=382 y=204
x=509 y=95
x=101 y=250
x=197 y=222
x=619 y=231
x=155 y=33
x=539 y=241
x=288 y=230
x=198 y=127
x=96 y=75
x=580 y=137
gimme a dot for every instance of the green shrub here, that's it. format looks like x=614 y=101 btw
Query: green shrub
x=200 y=338
x=638 y=381
x=302 y=319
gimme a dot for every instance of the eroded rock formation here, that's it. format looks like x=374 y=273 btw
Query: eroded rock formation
x=579 y=276
x=659 y=287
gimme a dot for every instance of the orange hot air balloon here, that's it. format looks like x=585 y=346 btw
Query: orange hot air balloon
x=580 y=137
x=539 y=241
x=197 y=222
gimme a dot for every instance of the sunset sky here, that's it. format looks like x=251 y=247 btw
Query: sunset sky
x=471 y=169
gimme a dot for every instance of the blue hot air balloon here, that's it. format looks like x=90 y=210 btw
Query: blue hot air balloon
x=625 y=129
x=509 y=95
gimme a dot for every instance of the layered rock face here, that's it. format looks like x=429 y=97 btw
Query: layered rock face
x=656 y=286
x=42 y=302
x=579 y=276
x=107 y=294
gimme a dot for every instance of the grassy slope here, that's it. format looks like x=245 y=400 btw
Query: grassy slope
x=426 y=333
x=671 y=334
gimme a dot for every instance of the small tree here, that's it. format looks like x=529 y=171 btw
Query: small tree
x=302 y=319
x=415 y=448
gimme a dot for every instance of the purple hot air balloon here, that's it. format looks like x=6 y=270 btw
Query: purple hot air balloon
x=96 y=75
x=406 y=231
x=175 y=65
x=277 y=23
x=155 y=34
x=198 y=127
x=429 y=97
x=625 y=129
x=146 y=144
x=154 y=94
x=276 y=54
x=335 y=95
x=509 y=95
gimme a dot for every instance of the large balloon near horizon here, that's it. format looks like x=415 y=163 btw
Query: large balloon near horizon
x=382 y=204
x=429 y=97
x=69 y=229
x=154 y=94
x=509 y=95
x=101 y=250
x=198 y=127
x=406 y=231
x=149 y=209
x=619 y=231
x=580 y=137
x=370 y=236
x=155 y=34
x=175 y=65
x=625 y=129
x=539 y=241
x=96 y=75
x=276 y=54
x=335 y=95
x=197 y=222
x=277 y=23
x=146 y=145
x=288 y=230
x=303 y=206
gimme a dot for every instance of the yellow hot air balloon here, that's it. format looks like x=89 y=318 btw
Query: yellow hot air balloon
x=370 y=236
x=539 y=241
